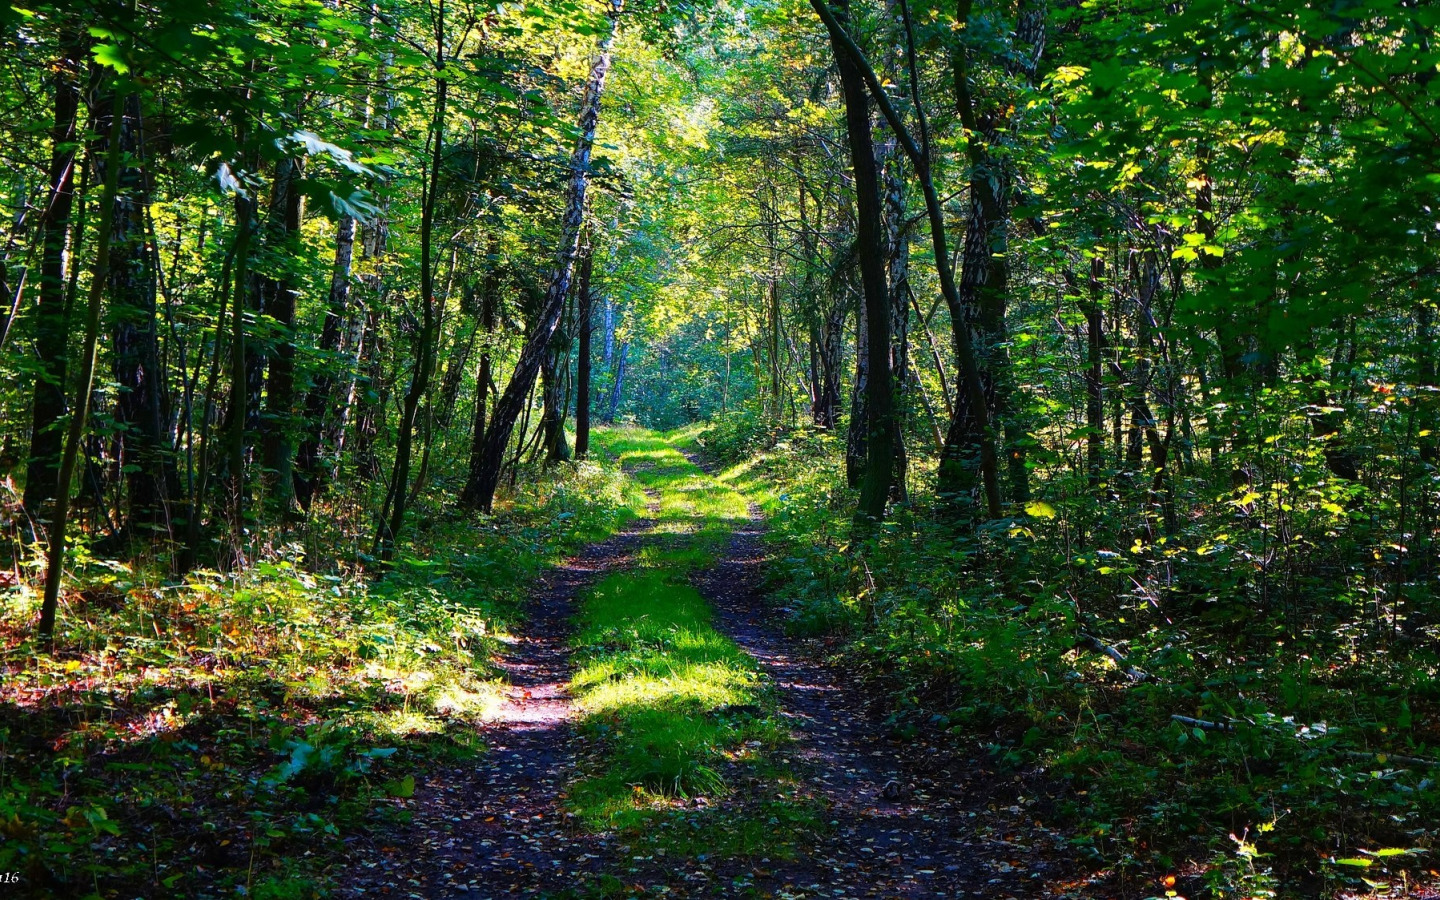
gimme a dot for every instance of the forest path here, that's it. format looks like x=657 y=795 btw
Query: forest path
x=495 y=826
x=861 y=814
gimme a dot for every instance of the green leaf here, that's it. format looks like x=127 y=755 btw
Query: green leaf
x=108 y=55
x=1040 y=510
x=405 y=787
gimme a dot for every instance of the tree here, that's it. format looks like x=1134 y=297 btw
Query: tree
x=481 y=495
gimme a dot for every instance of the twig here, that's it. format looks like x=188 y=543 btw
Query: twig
x=1384 y=758
x=1090 y=642
x=1203 y=724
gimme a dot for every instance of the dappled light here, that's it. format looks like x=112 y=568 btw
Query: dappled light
x=770 y=449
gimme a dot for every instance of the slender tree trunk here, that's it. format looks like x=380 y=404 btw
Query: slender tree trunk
x=617 y=385
x=75 y=434
x=489 y=302
x=552 y=401
x=897 y=269
x=585 y=313
x=897 y=266
x=984 y=282
x=857 y=437
x=142 y=446
x=279 y=423
x=919 y=154
x=945 y=395
x=239 y=387
x=832 y=335
x=1094 y=380
x=51 y=326
x=507 y=409
x=389 y=529
x=190 y=551
x=322 y=402
x=870 y=247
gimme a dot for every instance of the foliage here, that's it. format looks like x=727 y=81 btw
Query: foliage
x=1312 y=742
x=241 y=721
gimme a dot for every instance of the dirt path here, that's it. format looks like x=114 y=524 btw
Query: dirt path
x=907 y=820
x=493 y=826
x=904 y=819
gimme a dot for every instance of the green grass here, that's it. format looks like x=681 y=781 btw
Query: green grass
x=676 y=710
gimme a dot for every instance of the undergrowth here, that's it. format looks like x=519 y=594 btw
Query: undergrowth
x=1301 y=763
x=226 y=731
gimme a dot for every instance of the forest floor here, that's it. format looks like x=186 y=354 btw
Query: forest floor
x=662 y=736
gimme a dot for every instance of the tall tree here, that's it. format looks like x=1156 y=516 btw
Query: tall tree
x=537 y=343
x=392 y=512
x=75 y=433
x=51 y=322
x=139 y=406
x=870 y=249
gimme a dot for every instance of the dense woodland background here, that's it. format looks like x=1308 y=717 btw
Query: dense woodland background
x=1083 y=356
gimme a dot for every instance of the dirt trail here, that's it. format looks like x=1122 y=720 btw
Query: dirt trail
x=904 y=820
x=493 y=826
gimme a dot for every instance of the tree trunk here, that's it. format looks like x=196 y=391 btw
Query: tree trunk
x=870 y=248
x=1094 y=379
x=75 y=433
x=552 y=400
x=857 y=437
x=919 y=154
x=51 y=326
x=507 y=409
x=832 y=335
x=617 y=385
x=984 y=285
x=585 y=314
x=389 y=528
x=897 y=267
x=278 y=426
x=489 y=303
x=190 y=551
x=142 y=446
x=321 y=402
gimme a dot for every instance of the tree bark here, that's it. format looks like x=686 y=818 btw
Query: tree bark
x=55 y=555
x=322 y=402
x=278 y=426
x=143 y=447
x=857 y=437
x=870 y=248
x=389 y=528
x=617 y=385
x=984 y=282
x=552 y=400
x=489 y=304
x=585 y=314
x=919 y=154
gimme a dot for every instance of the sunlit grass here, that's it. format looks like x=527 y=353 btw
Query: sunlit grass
x=680 y=711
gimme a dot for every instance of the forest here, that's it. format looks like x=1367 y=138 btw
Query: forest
x=720 y=448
